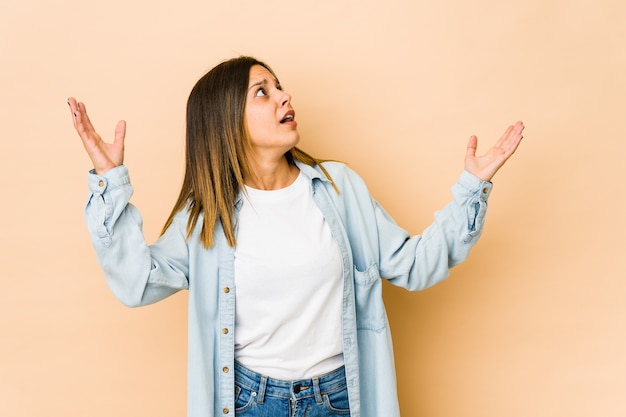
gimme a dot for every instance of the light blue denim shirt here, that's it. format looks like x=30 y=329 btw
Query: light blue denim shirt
x=372 y=246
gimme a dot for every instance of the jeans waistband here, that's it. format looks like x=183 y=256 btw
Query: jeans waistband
x=316 y=386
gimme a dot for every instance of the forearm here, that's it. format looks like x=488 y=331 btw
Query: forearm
x=423 y=260
x=137 y=274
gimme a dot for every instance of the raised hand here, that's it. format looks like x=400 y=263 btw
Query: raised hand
x=104 y=156
x=485 y=166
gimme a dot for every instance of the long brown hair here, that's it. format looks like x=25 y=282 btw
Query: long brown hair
x=216 y=142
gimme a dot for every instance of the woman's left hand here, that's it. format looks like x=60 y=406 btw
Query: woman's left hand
x=485 y=166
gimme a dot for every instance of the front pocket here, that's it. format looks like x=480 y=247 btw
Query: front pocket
x=244 y=399
x=368 y=293
x=337 y=403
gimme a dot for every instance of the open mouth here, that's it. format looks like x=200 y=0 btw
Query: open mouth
x=289 y=117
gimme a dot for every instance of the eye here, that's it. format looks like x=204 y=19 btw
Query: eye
x=260 y=92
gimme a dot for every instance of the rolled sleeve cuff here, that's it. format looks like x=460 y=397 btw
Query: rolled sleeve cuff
x=113 y=178
x=475 y=185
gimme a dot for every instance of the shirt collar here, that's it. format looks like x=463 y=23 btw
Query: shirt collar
x=311 y=173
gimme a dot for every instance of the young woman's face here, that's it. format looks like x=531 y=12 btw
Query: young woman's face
x=269 y=117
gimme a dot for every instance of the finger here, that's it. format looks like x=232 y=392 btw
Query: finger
x=88 y=135
x=504 y=139
x=83 y=124
x=517 y=129
x=472 y=144
x=76 y=107
x=71 y=102
x=80 y=118
x=83 y=117
x=513 y=139
x=510 y=139
x=120 y=133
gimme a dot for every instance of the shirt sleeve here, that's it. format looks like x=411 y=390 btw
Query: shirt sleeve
x=137 y=273
x=417 y=262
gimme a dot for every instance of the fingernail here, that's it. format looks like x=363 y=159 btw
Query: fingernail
x=78 y=105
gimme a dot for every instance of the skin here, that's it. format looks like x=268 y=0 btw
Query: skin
x=103 y=155
x=486 y=166
x=266 y=106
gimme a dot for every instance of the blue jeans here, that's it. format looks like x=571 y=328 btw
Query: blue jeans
x=259 y=396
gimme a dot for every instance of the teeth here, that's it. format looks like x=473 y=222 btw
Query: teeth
x=288 y=118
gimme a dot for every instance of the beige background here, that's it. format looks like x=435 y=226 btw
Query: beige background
x=533 y=324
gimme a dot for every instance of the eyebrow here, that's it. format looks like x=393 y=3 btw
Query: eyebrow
x=264 y=81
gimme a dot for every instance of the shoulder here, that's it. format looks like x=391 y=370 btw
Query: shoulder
x=331 y=174
x=348 y=187
x=342 y=175
x=339 y=171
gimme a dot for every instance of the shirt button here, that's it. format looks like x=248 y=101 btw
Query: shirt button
x=485 y=190
x=225 y=411
x=226 y=290
x=225 y=369
x=225 y=330
x=101 y=183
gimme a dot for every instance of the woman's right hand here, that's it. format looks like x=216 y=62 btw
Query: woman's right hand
x=104 y=156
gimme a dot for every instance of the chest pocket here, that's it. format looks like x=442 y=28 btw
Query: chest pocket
x=370 y=310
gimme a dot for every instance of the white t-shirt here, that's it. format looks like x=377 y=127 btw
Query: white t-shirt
x=288 y=285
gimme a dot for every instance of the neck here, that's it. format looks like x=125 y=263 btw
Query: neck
x=271 y=175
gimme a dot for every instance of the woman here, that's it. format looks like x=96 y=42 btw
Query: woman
x=296 y=244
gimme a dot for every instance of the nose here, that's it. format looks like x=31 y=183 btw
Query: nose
x=284 y=98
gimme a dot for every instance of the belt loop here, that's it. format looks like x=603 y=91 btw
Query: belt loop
x=261 y=395
x=317 y=391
